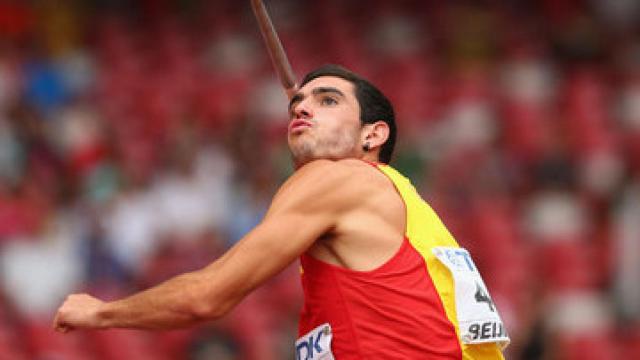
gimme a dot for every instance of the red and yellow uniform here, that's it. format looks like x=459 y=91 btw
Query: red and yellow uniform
x=404 y=309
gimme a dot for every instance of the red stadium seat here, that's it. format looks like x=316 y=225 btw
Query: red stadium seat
x=589 y=347
x=44 y=343
x=568 y=264
x=127 y=344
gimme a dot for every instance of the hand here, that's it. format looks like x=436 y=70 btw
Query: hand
x=79 y=311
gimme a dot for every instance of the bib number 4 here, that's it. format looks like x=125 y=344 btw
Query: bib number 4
x=476 y=312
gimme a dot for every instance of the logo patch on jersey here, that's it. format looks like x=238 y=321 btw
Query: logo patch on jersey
x=316 y=344
x=478 y=318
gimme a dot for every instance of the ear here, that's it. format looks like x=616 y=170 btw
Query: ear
x=375 y=134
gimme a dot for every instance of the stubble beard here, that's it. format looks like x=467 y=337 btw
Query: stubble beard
x=331 y=149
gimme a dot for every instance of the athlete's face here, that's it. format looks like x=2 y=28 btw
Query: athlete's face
x=324 y=121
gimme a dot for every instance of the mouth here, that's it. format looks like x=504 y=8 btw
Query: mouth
x=298 y=125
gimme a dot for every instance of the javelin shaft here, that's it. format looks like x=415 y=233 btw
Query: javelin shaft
x=274 y=46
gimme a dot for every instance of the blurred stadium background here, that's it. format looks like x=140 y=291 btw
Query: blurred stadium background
x=140 y=139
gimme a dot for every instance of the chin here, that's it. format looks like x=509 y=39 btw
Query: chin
x=302 y=152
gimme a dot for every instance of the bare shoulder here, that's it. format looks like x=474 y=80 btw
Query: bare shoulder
x=362 y=175
x=338 y=175
x=366 y=213
x=340 y=183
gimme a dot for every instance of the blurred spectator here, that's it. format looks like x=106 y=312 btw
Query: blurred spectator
x=625 y=255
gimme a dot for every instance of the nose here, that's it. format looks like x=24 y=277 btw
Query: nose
x=302 y=110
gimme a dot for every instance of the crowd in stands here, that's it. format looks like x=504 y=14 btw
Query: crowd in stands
x=141 y=139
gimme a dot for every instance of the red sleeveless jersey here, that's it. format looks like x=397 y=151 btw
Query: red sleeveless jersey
x=403 y=309
x=392 y=312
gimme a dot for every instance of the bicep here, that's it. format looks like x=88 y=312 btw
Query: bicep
x=308 y=206
x=277 y=242
x=264 y=252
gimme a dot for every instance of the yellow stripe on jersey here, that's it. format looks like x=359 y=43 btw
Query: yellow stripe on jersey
x=425 y=231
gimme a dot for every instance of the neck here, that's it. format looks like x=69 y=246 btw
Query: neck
x=370 y=157
x=364 y=156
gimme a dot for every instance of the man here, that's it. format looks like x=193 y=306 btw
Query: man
x=382 y=277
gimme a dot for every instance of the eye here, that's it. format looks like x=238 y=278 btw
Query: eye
x=327 y=100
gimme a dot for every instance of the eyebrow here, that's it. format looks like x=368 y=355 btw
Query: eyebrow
x=317 y=91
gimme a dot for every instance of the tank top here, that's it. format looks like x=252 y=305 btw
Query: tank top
x=404 y=309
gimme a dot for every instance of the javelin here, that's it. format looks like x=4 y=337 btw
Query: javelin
x=276 y=51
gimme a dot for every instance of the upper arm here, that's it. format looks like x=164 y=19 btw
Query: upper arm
x=307 y=206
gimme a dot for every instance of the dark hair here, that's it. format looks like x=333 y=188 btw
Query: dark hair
x=374 y=106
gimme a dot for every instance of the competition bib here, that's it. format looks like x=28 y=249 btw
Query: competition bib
x=477 y=315
x=316 y=344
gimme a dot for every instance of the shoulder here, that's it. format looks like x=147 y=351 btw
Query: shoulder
x=337 y=184
x=335 y=175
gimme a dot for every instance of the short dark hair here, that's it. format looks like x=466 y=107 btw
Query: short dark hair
x=374 y=106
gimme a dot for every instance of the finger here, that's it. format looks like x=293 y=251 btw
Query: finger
x=63 y=329
x=56 y=320
x=57 y=324
x=60 y=326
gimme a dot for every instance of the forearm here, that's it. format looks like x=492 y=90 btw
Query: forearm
x=181 y=301
x=206 y=294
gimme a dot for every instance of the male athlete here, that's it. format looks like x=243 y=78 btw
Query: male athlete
x=382 y=277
